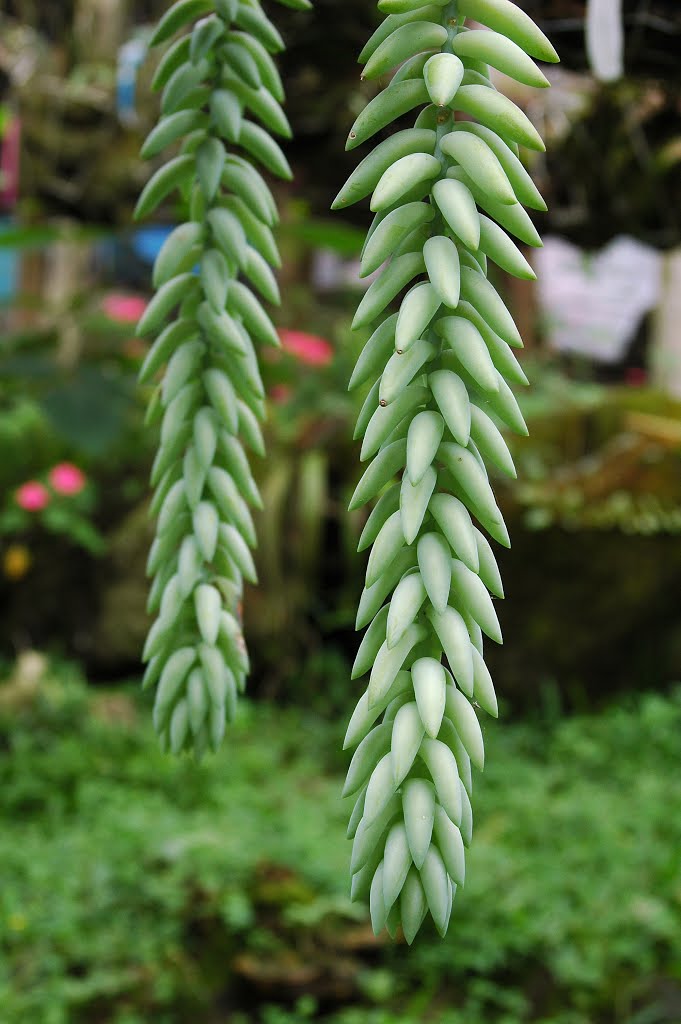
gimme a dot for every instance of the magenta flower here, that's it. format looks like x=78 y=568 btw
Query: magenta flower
x=125 y=309
x=32 y=496
x=67 y=478
x=307 y=348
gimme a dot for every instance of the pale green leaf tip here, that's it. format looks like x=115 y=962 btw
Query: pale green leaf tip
x=550 y=54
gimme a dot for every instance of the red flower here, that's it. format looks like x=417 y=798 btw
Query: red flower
x=32 y=496
x=280 y=393
x=134 y=348
x=67 y=478
x=636 y=377
x=125 y=309
x=307 y=348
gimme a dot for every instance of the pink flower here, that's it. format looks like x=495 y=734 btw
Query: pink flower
x=32 y=496
x=125 y=309
x=308 y=348
x=67 y=478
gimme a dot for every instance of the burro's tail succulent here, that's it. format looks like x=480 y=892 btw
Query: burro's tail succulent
x=220 y=101
x=447 y=195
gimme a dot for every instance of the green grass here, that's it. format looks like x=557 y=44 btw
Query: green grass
x=133 y=884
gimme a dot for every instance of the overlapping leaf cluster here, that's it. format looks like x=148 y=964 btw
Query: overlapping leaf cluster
x=447 y=195
x=220 y=100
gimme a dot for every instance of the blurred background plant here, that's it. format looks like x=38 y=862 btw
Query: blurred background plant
x=138 y=887
x=142 y=889
x=60 y=503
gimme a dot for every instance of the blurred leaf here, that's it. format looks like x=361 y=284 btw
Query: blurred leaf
x=31 y=367
x=89 y=409
x=343 y=239
x=35 y=235
x=669 y=155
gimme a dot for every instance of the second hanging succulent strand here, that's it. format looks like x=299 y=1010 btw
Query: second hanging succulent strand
x=220 y=101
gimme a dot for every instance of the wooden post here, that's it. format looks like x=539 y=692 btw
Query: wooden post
x=99 y=30
x=665 y=356
x=67 y=272
x=522 y=297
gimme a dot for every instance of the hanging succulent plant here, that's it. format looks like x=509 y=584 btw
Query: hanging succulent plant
x=208 y=325
x=447 y=194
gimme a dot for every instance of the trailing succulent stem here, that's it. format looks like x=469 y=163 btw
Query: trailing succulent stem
x=447 y=195
x=220 y=101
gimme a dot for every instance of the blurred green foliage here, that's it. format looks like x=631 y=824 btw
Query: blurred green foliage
x=618 y=170
x=85 y=404
x=598 y=458
x=577 y=483
x=65 y=516
x=139 y=888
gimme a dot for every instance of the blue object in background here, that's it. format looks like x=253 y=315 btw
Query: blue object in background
x=9 y=265
x=131 y=56
x=147 y=242
x=127 y=258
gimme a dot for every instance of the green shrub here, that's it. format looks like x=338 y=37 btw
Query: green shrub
x=134 y=886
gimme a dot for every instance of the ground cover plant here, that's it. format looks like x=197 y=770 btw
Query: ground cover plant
x=137 y=887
